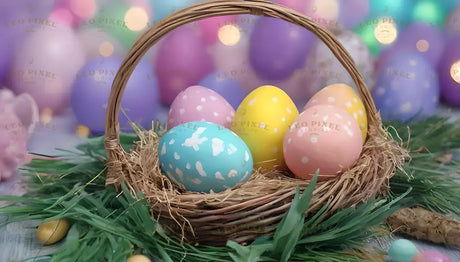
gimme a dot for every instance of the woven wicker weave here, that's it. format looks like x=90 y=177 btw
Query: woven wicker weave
x=254 y=208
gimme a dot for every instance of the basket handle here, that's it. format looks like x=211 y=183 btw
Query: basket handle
x=115 y=152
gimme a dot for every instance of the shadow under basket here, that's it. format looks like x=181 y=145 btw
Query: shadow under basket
x=254 y=208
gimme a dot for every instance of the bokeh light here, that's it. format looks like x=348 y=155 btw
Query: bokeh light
x=429 y=11
x=46 y=115
x=229 y=35
x=455 y=71
x=106 y=49
x=136 y=18
x=83 y=8
x=385 y=32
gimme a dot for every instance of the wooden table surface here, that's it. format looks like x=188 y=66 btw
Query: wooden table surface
x=18 y=241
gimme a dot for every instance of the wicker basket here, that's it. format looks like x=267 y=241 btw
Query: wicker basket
x=254 y=208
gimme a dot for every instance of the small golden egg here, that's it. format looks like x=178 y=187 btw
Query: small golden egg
x=53 y=231
x=138 y=258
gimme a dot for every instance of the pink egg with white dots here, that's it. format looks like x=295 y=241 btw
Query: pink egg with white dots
x=323 y=137
x=198 y=103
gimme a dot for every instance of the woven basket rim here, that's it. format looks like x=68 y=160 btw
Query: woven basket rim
x=383 y=156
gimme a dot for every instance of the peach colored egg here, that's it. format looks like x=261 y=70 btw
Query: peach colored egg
x=345 y=97
x=197 y=103
x=323 y=137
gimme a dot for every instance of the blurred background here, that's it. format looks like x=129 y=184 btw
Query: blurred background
x=58 y=59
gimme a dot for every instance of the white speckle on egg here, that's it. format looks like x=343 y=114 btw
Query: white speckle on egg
x=275 y=99
x=355 y=100
x=213 y=98
x=325 y=118
x=184 y=97
x=380 y=91
x=246 y=174
x=163 y=149
x=180 y=174
x=355 y=115
x=170 y=166
x=362 y=125
x=331 y=99
x=172 y=141
x=217 y=146
x=288 y=110
x=283 y=119
x=275 y=130
x=251 y=102
x=195 y=140
x=219 y=176
x=348 y=104
x=229 y=119
x=240 y=118
x=203 y=120
x=246 y=156
x=232 y=173
x=275 y=149
x=349 y=123
x=338 y=116
x=361 y=113
x=200 y=169
x=199 y=107
x=427 y=85
x=326 y=129
x=231 y=149
x=314 y=139
x=289 y=140
x=176 y=156
x=203 y=100
x=348 y=130
x=412 y=62
x=196 y=181
x=406 y=107
x=304 y=160
x=215 y=114
x=181 y=111
x=232 y=113
x=262 y=125
x=188 y=166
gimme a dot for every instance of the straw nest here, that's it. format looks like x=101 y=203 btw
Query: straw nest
x=255 y=207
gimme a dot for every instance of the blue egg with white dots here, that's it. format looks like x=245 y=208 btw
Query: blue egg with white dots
x=407 y=89
x=204 y=157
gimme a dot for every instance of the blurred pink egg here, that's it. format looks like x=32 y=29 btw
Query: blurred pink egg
x=430 y=256
x=197 y=103
x=323 y=137
x=46 y=65
x=182 y=61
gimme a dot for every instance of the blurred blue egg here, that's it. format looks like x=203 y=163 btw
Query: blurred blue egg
x=226 y=86
x=407 y=89
x=163 y=8
x=402 y=250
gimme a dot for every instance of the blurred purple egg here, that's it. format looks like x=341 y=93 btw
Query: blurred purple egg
x=182 y=60
x=449 y=72
x=407 y=89
x=278 y=48
x=418 y=37
x=91 y=90
x=430 y=256
x=352 y=12
x=225 y=86
x=46 y=65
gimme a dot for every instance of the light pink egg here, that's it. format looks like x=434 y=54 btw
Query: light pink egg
x=323 y=137
x=197 y=103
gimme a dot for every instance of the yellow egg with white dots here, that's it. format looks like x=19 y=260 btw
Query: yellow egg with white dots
x=262 y=120
x=345 y=97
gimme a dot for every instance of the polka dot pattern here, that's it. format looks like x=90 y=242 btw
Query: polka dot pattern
x=331 y=144
x=345 y=97
x=198 y=103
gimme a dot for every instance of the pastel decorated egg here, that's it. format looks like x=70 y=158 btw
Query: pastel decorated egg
x=203 y=156
x=430 y=256
x=402 y=250
x=323 y=137
x=261 y=121
x=197 y=103
x=343 y=96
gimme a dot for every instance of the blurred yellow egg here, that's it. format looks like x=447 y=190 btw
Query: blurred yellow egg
x=262 y=120
x=138 y=258
x=343 y=96
x=52 y=231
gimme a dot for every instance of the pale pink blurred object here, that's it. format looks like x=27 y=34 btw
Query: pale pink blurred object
x=18 y=116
